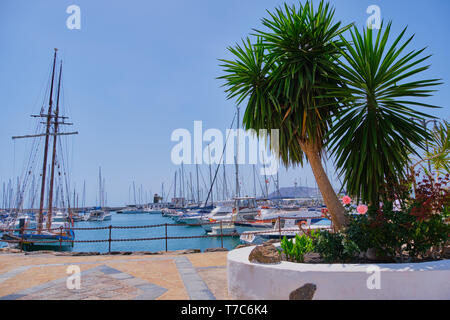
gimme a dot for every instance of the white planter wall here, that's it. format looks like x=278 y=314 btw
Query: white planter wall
x=427 y=280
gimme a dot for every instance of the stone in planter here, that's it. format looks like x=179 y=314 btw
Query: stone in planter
x=266 y=254
x=305 y=292
x=271 y=241
x=215 y=249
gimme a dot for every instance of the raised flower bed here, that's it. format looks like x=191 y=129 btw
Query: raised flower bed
x=423 y=280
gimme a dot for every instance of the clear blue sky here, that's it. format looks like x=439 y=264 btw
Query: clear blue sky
x=137 y=70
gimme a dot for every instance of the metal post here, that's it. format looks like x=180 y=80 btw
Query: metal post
x=221 y=235
x=60 y=238
x=109 y=240
x=279 y=226
x=21 y=239
x=166 y=236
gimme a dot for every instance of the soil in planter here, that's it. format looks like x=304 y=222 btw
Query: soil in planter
x=316 y=258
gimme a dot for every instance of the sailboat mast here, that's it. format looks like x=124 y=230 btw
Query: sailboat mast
x=134 y=192
x=52 y=174
x=47 y=135
x=224 y=182
x=254 y=181
x=100 y=186
x=237 y=155
x=210 y=176
x=175 y=188
x=198 y=189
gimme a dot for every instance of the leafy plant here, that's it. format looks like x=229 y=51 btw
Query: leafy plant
x=296 y=250
x=335 y=247
x=417 y=227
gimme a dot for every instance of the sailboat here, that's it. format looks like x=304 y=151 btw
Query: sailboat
x=45 y=232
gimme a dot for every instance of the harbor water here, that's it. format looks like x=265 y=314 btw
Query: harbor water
x=144 y=219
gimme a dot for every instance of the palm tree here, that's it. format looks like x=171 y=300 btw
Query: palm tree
x=437 y=153
x=377 y=127
x=279 y=77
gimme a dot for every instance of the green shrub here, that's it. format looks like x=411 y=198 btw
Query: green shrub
x=335 y=247
x=296 y=250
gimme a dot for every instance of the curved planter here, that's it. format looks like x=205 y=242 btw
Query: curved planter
x=426 y=280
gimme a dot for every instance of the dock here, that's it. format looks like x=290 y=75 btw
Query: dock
x=176 y=275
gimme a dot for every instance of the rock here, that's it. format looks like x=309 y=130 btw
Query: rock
x=244 y=245
x=371 y=254
x=215 y=249
x=305 y=292
x=266 y=254
x=313 y=257
x=77 y=254
x=145 y=253
x=10 y=250
x=271 y=241
x=446 y=252
x=187 y=251
x=32 y=253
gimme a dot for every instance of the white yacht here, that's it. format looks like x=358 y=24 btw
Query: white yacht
x=244 y=209
x=288 y=228
x=99 y=215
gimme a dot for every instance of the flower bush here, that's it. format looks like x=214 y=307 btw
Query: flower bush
x=412 y=219
x=335 y=247
x=420 y=228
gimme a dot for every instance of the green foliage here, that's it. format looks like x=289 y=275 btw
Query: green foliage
x=296 y=250
x=335 y=247
x=418 y=226
x=280 y=73
x=374 y=131
x=439 y=148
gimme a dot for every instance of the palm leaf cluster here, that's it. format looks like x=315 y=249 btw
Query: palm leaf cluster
x=439 y=148
x=279 y=76
x=377 y=127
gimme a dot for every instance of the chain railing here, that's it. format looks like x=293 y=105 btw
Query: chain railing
x=166 y=237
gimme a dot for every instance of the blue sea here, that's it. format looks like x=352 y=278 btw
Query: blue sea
x=121 y=220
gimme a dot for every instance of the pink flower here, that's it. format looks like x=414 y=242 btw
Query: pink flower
x=362 y=209
x=346 y=200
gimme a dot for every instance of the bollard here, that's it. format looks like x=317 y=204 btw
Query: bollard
x=221 y=235
x=21 y=239
x=166 y=237
x=279 y=226
x=109 y=240
x=60 y=238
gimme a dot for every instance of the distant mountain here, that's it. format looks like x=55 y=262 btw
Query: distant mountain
x=295 y=192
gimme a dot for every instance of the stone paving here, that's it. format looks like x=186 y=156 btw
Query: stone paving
x=199 y=276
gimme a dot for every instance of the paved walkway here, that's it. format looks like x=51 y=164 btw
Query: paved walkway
x=199 y=276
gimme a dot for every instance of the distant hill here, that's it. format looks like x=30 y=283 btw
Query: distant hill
x=295 y=192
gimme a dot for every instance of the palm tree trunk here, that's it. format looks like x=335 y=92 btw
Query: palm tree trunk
x=334 y=206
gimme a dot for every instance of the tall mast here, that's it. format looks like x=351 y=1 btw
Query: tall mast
x=83 y=202
x=198 y=189
x=100 y=186
x=237 y=155
x=224 y=182
x=47 y=135
x=183 y=193
x=192 y=190
x=210 y=176
x=175 y=187
x=254 y=181
x=265 y=180
x=52 y=174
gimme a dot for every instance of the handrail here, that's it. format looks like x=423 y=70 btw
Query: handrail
x=166 y=237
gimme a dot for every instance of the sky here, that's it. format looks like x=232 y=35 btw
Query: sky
x=137 y=70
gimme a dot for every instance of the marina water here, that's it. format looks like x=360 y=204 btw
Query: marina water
x=129 y=220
